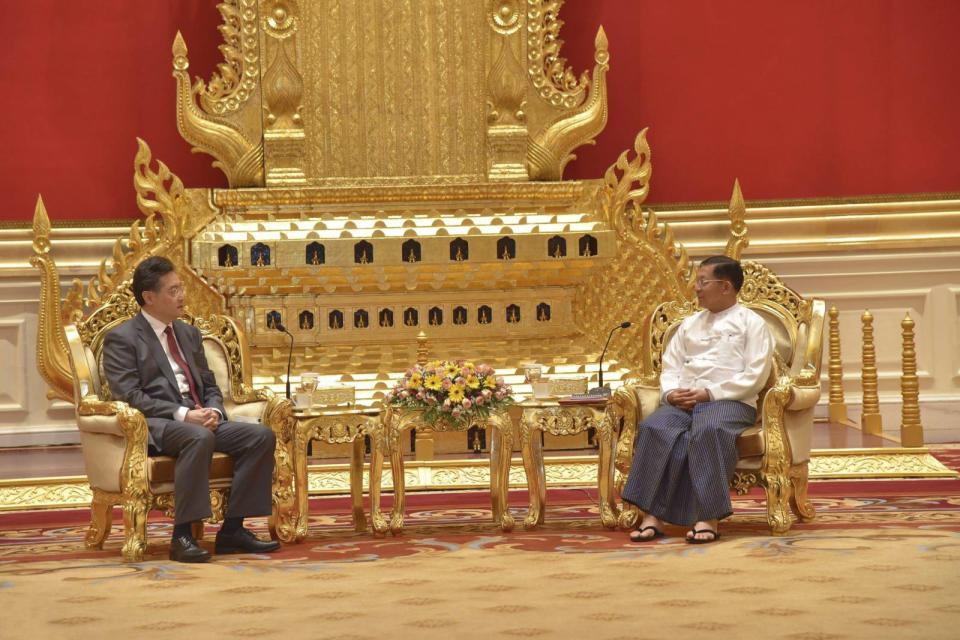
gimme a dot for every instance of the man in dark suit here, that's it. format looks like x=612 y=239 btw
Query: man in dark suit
x=155 y=363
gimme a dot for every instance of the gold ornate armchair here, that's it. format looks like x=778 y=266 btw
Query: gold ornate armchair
x=114 y=435
x=775 y=452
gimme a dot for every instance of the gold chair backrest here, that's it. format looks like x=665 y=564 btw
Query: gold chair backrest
x=796 y=323
x=225 y=347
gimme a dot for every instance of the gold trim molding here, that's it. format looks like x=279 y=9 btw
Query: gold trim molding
x=561 y=471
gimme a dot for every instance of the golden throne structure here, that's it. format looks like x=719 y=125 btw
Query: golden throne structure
x=396 y=168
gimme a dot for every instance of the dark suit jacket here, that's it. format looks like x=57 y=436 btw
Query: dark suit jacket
x=139 y=372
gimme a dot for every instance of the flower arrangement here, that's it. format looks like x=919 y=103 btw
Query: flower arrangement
x=457 y=392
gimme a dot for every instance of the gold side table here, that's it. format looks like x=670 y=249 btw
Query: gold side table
x=563 y=420
x=334 y=426
x=396 y=422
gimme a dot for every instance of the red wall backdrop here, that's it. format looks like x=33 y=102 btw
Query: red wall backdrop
x=797 y=99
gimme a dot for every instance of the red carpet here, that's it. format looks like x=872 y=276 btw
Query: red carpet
x=450 y=520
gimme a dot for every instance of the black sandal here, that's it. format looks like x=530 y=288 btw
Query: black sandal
x=657 y=533
x=695 y=540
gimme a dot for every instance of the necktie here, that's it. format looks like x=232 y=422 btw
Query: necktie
x=178 y=358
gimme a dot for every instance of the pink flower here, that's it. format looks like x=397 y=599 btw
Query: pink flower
x=456 y=413
x=446 y=403
x=447 y=383
x=420 y=395
x=404 y=394
x=500 y=382
x=479 y=401
x=431 y=400
x=461 y=380
x=487 y=393
x=466 y=403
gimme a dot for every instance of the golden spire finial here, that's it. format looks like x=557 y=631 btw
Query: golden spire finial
x=838 y=408
x=911 y=430
x=180 y=62
x=41 y=227
x=870 y=420
x=601 y=47
x=738 y=223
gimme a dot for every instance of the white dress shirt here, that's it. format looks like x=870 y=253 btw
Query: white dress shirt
x=159 y=328
x=728 y=353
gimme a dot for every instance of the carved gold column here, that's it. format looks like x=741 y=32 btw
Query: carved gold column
x=911 y=430
x=506 y=97
x=870 y=420
x=284 y=142
x=838 y=408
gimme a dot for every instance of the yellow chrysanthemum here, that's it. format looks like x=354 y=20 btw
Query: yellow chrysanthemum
x=415 y=382
x=490 y=383
x=456 y=393
x=469 y=365
x=433 y=382
x=473 y=382
x=433 y=363
x=451 y=370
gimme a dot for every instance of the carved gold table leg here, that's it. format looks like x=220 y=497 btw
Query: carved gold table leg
x=502 y=439
x=301 y=487
x=377 y=445
x=532 y=454
x=496 y=505
x=356 y=484
x=399 y=486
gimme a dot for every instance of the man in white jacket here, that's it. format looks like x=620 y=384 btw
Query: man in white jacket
x=712 y=371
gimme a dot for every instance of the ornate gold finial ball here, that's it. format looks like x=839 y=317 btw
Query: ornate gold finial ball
x=279 y=14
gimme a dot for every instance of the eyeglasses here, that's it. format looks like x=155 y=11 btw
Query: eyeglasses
x=176 y=291
x=702 y=283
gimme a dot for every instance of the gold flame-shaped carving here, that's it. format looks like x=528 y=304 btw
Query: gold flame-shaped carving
x=235 y=80
x=554 y=81
x=549 y=150
x=650 y=267
x=239 y=157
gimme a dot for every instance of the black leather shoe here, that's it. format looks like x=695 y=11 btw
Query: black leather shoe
x=243 y=541
x=186 y=549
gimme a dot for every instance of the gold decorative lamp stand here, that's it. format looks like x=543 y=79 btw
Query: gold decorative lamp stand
x=396 y=422
x=565 y=420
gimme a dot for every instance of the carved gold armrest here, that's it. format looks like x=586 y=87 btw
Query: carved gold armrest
x=803 y=397
x=133 y=424
x=776 y=450
x=130 y=422
x=244 y=394
x=627 y=409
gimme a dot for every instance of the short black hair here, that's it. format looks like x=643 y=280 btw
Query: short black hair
x=725 y=268
x=147 y=275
